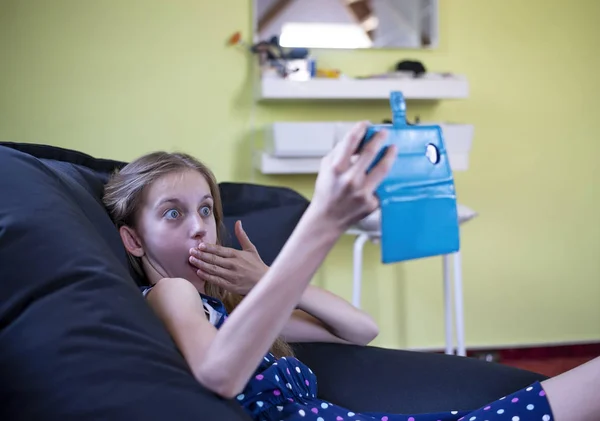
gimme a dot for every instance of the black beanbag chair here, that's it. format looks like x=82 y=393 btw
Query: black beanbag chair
x=78 y=341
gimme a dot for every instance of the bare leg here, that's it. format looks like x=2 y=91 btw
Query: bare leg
x=575 y=395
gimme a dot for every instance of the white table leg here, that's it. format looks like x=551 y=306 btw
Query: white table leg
x=458 y=305
x=358 y=251
x=447 y=305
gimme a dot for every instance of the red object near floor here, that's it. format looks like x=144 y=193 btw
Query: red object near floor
x=549 y=361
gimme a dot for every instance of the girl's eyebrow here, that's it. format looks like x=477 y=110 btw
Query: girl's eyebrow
x=177 y=201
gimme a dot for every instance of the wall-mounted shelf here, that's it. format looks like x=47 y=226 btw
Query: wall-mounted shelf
x=297 y=147
x=431 y=86
x=268 y=164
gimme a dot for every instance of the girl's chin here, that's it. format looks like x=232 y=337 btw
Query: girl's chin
x=187 y=272
x=192 y=276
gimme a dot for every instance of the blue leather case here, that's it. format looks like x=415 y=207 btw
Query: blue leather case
x=419 y=216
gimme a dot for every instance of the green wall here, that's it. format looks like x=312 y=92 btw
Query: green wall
x=120 y=78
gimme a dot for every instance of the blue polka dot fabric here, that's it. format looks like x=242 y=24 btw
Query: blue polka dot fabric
x=286 y=389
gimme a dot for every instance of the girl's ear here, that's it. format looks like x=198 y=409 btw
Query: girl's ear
x=131 y=241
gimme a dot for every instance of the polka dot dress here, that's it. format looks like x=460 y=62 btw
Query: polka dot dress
x=286 y=390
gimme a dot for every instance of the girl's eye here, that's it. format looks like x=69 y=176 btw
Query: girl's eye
x=205 y=211
x=172 y=214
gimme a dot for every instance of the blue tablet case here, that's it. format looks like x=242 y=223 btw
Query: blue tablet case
x=419 y=217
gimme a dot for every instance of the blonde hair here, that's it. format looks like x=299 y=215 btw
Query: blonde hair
x=123 y=197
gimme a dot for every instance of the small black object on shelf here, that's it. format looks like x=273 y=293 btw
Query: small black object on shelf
x=416 y=67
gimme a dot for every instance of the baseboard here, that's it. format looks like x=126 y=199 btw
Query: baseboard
x=539 y=353
x=520 y=347
x=516 y=354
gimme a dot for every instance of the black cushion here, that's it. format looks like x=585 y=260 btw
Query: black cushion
x=77 y=340
x=100 y=167
x=269 y=214
x=371 y=379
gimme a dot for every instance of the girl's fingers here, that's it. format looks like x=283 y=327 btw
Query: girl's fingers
x=369 y=152
x=344 y=150
x=381 y=170
x=211 y=259
x=209 y=268
x=214 y=249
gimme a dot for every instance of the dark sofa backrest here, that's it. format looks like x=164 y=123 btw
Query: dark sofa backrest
x=77 y=340
x=269 y=213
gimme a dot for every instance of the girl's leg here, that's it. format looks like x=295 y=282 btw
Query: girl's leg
x=575 y=395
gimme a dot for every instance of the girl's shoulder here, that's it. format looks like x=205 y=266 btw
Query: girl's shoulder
x=214 y=309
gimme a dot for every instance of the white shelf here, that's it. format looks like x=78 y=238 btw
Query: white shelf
x=268 y=164
x=429 y=86
x=303 y=139
x=297 y=147
x=313 y=139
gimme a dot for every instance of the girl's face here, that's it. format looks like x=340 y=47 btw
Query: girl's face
x=176 y=215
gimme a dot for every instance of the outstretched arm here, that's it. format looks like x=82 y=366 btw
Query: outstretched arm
x=344 y=193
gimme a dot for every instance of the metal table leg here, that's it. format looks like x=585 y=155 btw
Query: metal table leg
x=447 y=305
x=358 y=251
x=458 y=305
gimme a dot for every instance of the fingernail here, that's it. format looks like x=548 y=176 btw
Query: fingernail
x=202 y=246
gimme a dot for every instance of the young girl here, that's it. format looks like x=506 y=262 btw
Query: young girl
x=168 y=211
